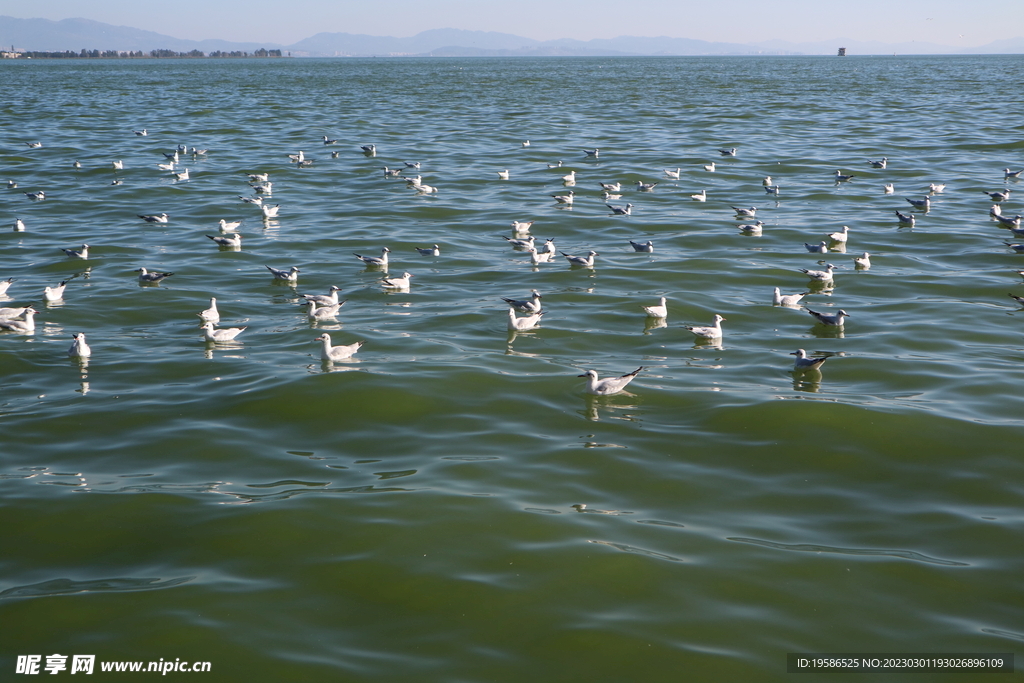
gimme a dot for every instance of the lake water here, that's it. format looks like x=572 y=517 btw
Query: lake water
x=414 y=514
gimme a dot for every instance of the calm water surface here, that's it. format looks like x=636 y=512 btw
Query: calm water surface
x=414 y=514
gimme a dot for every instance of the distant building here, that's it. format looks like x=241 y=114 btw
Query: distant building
x=842 y=52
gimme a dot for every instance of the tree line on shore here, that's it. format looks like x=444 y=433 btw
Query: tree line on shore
x=139 y=54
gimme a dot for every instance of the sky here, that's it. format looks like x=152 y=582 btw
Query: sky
x=956 y=23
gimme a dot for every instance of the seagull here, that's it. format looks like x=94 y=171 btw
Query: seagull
x=392 y=172
x=299 y=158
x=731 y=152
x=79 y=349
x=330 y=353
x=56 y=293
x=291 y=275
x=235 y=241
x=702 y=196
x=166 y=167
x=520 y=244
x=539 y=256
x=557 y=164
x=936 y=188
x=890 y=188
x=673 y=174
x=585 y=261
x=34 y=145
x=211 y=314
x=626 y=210
x=819 y=275
x=228 y=226
x=503 y=175
x=1008 y=222
x=767 y=181
x=378 y=261
x=645 y=187
x=747 y=213
x=841 y=178
x=817 y=248
x=8 y=313
x=593 y=152
x=401 y=283
x=182 y=149
x=830 y=320
x=659 y=311
x=322 y=313
x=26 y=326
x=925 y=203
x=155 y=218
x=141 y=133
x=1007 y=173
x=906 y=219
x=199 y=152
x=772 y=189
x=878 y=164
x=82 y=253
x=1018 y=299
x=611 y=187
x=266 y=188
x=369 y=150
x=610 y=385
x=564 y=198
x=998 y=196
x=223 y=335
x=570 y=177
x=996 y=210
x=752 y=228
x=38 y=196
x=1019 y=248
x=527 y=322
x=173 y=157
x=11 y=185
x=5 y=284
x=526 y=143
x=324 y=299
x=118 y=165
x=146 y=276
x=531 y=305
x=710 y=167
x=712 y=332
x=780 y=299
x=641 y=246
x=182 y=176
x=328 y=141
x=411 y=164
x=425 y=189
x=429 y=251
x=521 y=226
x=805 y=363
x=863 y=262
x=259 y=177
x=270 y=211
x=549 y=246
x=840 y=236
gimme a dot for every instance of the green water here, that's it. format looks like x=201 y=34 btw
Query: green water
x=414 y=514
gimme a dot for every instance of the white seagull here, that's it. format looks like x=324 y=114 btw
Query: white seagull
x=842 y=178
x=1008 y=174
x=805 y=363
x=5 y=284
x=906 y=218
x=647 y=247
x=817 y=248
x=146 y=276
x=211 y=314
x=570 y=177
x=79 y=349
x=840 y=236
x=702 y=196
x=155 y=218
x=429 y=251
x=270 y=211
x=503 y=175
x=520 y=244
x=82 y=253
x=611 y=187
x=584 y=261
x=862 y=262
x=820 y=275
x=223 y=335
x=521 y=226
x=878 y=164
x=754 y=228
x=593 y=152
x=626 y=210
x=324 y=299
x=659 y=311
x=925 y=203
x=291 y=275
x=531 y=305
x=996 y=196
x=731 y=152
x=710 y=167
x=890 y=188
x=645 y=187
x=26 y=326
x=673 y=174
x=527 y=322
x=712 y=332
x=830 y=320
x=780 y=299
x=233 y=242
x=400 y=283
x=745 y=213
x=38 y=196
x=376 y=261
x=229 y=226
x=323 y=312
x=564 y=198
x=330 y=353
x=55 y=293
x=610 y=385
x=539 y=256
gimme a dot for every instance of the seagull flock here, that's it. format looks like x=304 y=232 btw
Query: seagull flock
x=523 y=314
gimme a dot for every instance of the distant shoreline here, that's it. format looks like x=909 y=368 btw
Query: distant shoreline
x=139 y=54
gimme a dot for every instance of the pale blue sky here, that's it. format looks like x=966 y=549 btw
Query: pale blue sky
x=949 y=22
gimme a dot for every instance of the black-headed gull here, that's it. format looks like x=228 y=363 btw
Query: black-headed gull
x=835 y=320
x=843 y=178
x=745 y=213
x=1008 y=174
x=26 y=326
x=878 y=164
x=584 y=261
x=330 y=353
x=37 y=196
x=155 y=218
x=731 y=152
x=376 y=261
x=369 y=150
x=291 y=275
x=79 y=349
x=5 y=285
x=890 y=188
x=324 y=299
x=658 y=311
x=531 y=305
x=645 y=187
x=925 y=203
x=626 y=210
x=146 y=276
x=862 y=262
x=270 y=211
x=141 y=133
x=428 y=251
x=222 y=335
x=755 y=228
x=647 y=247
x=780 y=299
x=56 y=293
x=322 y=312
x=527 y=322
x=998 y=196
x=34 y=145
x=400 y=283
x=593 y=152
x=503 y=175
x=82 y=253
x=611 y=187
x=804 y=363
x=821 y=248
x=520 y=244
x=521 y=226
x=211 y=314
x=701 y=196
x=710 y=167
x=329 y=141
x=673 y=174
x=233 y=242
x=820 y=275
x=19 y=225
x=906 y=218
x=228 y=226
x=840 y=236
x=712 y=332
x=609 y=385
x=564 y=198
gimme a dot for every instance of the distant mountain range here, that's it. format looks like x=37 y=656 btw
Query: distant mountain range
x=78 y=34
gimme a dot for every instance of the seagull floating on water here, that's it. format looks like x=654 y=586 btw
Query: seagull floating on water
x=593 y=152
x=56 y=293
x=647 y=246
x=1007 y=221
x=79 y=349
x=673 y=174
x=38 y=196
x=645 y=187
x=998 y=196
x=1008 y=174
x=82 y=253
x=626 y=210
x=330 y=353
x=584 y=261
x=878 y=164
x=890 y=188
x=211 y=314
x=564 y=198
x=228 y=226
x=531 y=305
x=324 y=299
x=710 y=167
x=731 y=152
x=34 y=145
x=118 y=165
x=429 y=251
x=323 y=312
x=747 y=213
x=5 y=285
x=906 y=218
x=141 y=133
x=820 y=275
x=863 y=262
x=182 y=176
x=19 y=225
x=936 y=188
x=658 y=311
x=148 y=277
x=521 y=226
x=830 y=320
x=329 y=141
x=222 y=335
x=817 y=248
x=925 y=203
x=611 y=187
x=840 y=236
x=520 y=244
x=26 y=326
x=538 y=256
x=804 y=363
x=557 y=164
x=155 y=218
x=712 y=332
x=400 y=283
x=411 y=164
x=503 y=175
x=754 y=228
x=702 y=196
x=234 y=242
x=291 y=275
x=772 y=189
x=270 y=211
x=843 y=178
x=369 y=150
x=609 y=385
x=780 y=299
x=378 y=261
x=527 y=322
